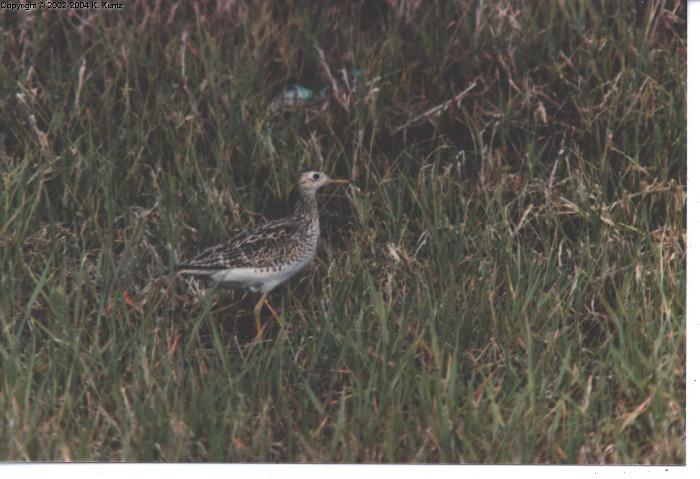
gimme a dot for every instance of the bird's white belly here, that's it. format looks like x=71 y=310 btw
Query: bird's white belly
x=259 y=280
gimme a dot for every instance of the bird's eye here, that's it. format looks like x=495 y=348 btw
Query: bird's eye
x=316 y=176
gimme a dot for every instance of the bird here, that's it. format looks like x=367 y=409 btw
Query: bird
x=266 y=255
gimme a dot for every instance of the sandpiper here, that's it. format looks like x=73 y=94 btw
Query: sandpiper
x=263 y=257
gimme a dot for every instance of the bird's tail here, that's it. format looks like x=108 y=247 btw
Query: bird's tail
x=195 y=269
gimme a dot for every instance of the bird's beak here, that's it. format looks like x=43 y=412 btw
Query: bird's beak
x=331 y=181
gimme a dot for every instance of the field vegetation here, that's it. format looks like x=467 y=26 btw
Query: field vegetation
x=504 y=282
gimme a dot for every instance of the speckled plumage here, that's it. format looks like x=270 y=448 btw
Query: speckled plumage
x=266 y=255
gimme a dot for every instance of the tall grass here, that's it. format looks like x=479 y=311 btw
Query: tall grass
x=504 y=281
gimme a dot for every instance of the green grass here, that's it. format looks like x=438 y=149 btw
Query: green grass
x=505 y=281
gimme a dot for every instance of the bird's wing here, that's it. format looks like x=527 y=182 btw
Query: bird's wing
x=261 y=246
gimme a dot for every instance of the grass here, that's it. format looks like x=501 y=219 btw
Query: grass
x=504 y=283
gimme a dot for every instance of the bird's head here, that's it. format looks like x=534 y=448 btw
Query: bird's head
x=310 y=181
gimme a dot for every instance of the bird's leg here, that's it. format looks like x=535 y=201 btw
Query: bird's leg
x=256 y=312
x=274 y=312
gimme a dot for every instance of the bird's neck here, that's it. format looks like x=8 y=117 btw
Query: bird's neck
x=306 y=205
